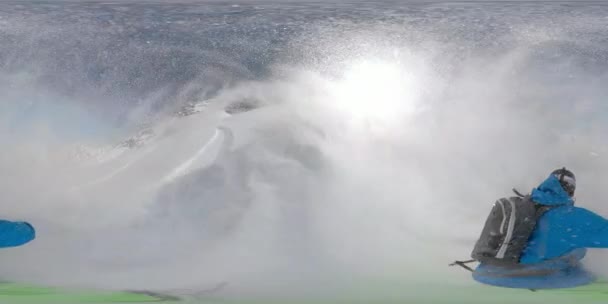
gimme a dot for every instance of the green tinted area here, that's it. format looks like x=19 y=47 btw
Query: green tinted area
x=372 y=293
x=21 y=293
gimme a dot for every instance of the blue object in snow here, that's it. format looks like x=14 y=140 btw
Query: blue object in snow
x=556 y=247
x=14 y=234
x=563 y=272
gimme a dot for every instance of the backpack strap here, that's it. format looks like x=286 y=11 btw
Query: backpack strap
x=542 y=209
x=518 y=193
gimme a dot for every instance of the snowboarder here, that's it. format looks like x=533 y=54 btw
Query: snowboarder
x=537 y=241
x=14 y=234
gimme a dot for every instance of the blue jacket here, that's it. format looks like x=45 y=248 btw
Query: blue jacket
x=15 y=233
x=556 y=246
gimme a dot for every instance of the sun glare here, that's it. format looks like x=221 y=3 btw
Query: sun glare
x=375 y=93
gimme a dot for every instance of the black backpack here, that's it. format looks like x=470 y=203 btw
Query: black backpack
x=507 y=230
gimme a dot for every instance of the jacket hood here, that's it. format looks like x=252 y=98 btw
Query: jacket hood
x=551 y=193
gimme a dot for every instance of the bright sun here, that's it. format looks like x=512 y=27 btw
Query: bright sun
x=375 y=93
